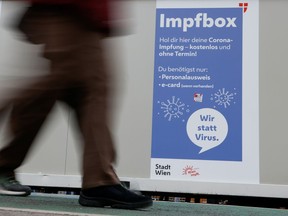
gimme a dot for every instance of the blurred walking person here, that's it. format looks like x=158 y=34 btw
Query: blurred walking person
x=71 y=32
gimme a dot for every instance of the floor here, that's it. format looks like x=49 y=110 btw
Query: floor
x=64 y=205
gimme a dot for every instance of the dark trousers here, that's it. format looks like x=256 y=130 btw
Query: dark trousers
x=79 y=78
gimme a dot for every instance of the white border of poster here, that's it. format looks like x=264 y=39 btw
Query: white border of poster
x=245 y=170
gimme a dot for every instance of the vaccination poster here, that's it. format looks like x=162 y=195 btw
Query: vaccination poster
x=205 y=102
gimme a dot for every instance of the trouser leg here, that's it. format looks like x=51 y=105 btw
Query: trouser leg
x=98 y=152
x=27 y=116
x=92 y=110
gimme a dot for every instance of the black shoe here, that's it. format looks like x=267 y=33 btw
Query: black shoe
x=115 y=196
x=10 y=186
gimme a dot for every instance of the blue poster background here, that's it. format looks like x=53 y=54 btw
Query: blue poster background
x=199 y=78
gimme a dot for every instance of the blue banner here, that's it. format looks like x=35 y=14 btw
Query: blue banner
x=197 y=106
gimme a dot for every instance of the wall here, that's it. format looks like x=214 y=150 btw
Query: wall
x=55 y=160
x=273 y=99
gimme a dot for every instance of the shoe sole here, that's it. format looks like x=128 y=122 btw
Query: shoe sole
x=113 y=203
x=13 y=193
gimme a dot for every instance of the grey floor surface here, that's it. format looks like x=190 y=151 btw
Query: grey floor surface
x=64 y=205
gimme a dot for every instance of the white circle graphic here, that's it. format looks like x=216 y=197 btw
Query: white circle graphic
x=207 y=128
